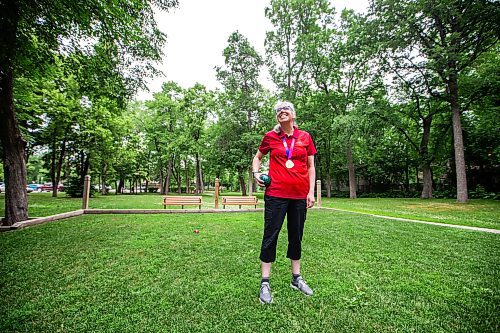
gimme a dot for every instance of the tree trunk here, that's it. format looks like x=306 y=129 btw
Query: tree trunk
x=160 y=166
x=426 y=159
x=169 y=176
x=162 y=189
x=242 y=184
x=198 y=189
x=165 y=189
x=179 y=187
x=103 y=178
x=14 y=165
x=427 y=182
x=200 y=174
x=328 y=168
x=13 y=144
x=328 y=185
x=250 y=181
x=458 y=144
x=121 y=185
x=352 y=175
x=59 y=167
x=86 y=167
x=187 y=175
x=407 y=177
x=53 y=157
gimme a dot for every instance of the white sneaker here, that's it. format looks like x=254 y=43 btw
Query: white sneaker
x=265 y=293
x=301 y=285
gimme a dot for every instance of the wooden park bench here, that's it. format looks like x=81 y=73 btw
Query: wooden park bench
x=252 y=201
x=172 y=200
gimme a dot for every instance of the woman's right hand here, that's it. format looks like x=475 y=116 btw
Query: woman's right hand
x=256 y=175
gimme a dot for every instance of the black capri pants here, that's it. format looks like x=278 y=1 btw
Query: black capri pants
x=275 y=210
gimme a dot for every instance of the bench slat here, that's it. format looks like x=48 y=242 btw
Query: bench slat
x=177 y=200
x=239 y=201
x=182 y=201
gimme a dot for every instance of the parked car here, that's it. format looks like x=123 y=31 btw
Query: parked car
x=47 y=187
x=35 y=187
x=2 y=188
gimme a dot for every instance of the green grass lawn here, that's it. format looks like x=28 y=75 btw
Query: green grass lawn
x=476 y=213
x=151 y=273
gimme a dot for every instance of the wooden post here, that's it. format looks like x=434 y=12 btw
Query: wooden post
x=318 y=192
x=86 y=192
x=216 y=193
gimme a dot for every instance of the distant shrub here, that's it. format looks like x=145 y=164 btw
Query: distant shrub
x=74 y=187
x=478 y=193
x=481 y=193
x=445 y=194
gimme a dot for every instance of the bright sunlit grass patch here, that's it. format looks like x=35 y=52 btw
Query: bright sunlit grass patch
x=444 y=207
x=476 y=213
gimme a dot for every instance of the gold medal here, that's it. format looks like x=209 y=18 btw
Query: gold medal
x=289 y=164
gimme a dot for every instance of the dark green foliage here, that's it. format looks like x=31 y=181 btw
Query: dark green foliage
x=481 y=193
x=74 y=187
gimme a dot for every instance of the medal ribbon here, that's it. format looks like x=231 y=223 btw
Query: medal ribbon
x=288 y=151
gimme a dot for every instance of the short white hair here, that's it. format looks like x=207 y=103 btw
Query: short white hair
x=283 y=104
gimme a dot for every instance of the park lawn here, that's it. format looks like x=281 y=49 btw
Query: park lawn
x=477 y=212
x=151 y=273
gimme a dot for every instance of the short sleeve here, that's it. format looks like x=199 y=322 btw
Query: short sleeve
x=311 y=148
x=264 y=145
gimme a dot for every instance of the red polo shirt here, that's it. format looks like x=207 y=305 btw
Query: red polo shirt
x=288 y=183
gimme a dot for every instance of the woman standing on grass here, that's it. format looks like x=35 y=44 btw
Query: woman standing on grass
x=290 y=193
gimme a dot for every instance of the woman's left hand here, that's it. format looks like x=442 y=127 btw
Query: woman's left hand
x=310 y=200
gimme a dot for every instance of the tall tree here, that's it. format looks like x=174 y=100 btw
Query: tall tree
x=165 y=130
x=239 y=78
x=32 y=30
x=287 y=43
x=406 y=104
x=338 y=63
x=196 y=106
x=449 y=35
